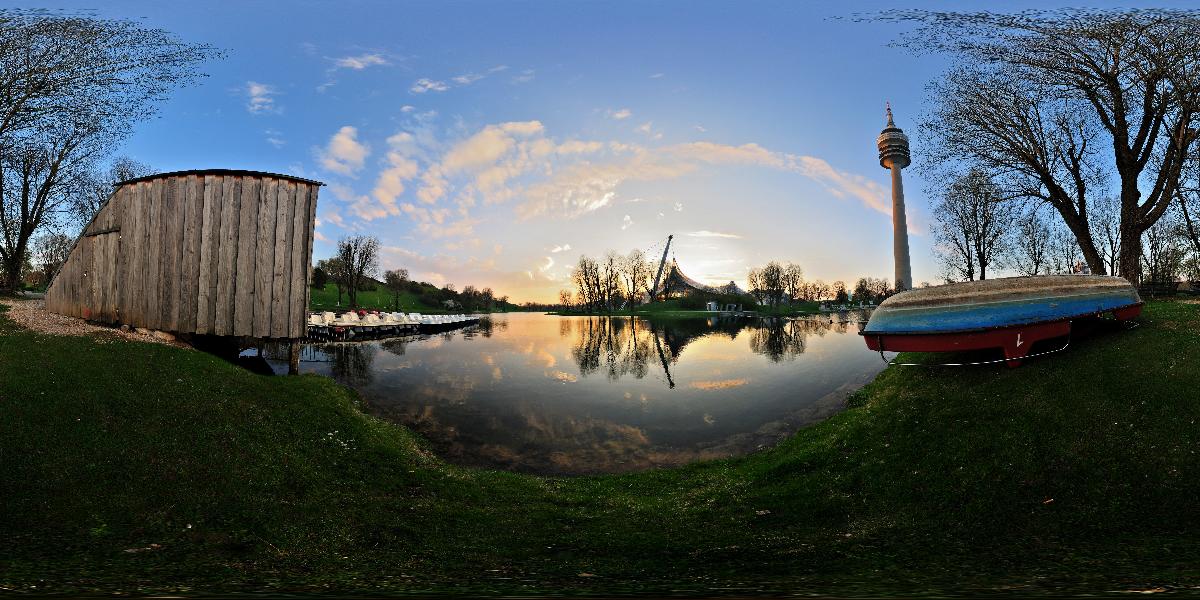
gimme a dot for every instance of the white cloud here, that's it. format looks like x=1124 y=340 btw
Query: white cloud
x=626 y=223
x=275 y=138
x=657 y=75
x=525 y=77
x=678 y=207
x=344 y=154
x=467 y=78
x=704 y=233
x=701 y=128
x=647 y=129
x=390 y=184
x=360 y=62
x=260 y=98
x=619 y=115
x=407 y=108
x=562 y=248
x=423 y=85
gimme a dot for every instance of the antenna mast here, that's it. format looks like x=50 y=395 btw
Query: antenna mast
x=661 y=264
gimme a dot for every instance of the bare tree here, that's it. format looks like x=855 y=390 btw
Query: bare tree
x=98 y=186
x=38 y=175
x=1063 y=250
x=586 y=276
x=359 y=256
x=971 y=221
x=767 y=283
x=1052 y=102
x=335 y=270
x=1105 y=221
x=1029 y=252
x=636 y=270
x=564 y=298
x=396 y=281
x=69 y=87
x=793 y=280
x=610 y=281
x=50 y=251
x=1164 y=250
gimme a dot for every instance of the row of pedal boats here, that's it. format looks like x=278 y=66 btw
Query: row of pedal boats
x=348 y=325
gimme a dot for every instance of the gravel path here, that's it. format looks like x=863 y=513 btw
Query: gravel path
x=32 y=315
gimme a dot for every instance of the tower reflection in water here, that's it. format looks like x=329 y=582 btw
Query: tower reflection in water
x=573 y=395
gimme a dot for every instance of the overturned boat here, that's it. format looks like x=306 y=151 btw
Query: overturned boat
x=1010 y=313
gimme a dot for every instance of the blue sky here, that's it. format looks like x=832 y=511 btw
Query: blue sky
x=491 y=143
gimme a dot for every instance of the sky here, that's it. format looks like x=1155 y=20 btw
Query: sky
x=493 y=143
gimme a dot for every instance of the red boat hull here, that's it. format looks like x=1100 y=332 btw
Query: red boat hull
x=1015 y=341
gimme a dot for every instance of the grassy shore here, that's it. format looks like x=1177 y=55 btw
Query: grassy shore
x=138 y=468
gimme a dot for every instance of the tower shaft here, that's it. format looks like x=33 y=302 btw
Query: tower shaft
x=903 y=277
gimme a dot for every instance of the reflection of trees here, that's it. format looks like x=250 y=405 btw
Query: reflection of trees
x=350 y=363
x=621 y=346
x=397 y=346
x=487 y=326
x=780 y=339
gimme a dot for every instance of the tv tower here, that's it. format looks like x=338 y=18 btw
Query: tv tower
x=893 y=154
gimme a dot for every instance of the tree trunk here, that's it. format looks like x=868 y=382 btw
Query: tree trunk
x=1083 y=236
x=12 y=275
x=1130 y=261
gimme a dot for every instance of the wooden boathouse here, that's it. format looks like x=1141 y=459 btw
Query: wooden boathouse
x=197 y=253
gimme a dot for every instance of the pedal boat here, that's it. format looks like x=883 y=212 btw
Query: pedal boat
x=1010 y=313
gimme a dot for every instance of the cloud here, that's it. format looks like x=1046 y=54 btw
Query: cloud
x=647 y=129
x=657 y=75
x=407 y=108
x=619 y=115
x=423 y=85
x=275 y=138
x=704 y=233
x=626 y=223
x=467 y=78
x=562 y=248
x=260 y=98
x=525 y=77
x=359 y=62
x=344 y=154
x=390 y=184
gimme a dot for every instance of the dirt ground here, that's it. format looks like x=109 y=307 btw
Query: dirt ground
x=32 y=315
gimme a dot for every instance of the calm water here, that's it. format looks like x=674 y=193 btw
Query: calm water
x=574 y=395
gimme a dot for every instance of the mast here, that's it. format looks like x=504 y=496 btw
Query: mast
x=662 y=263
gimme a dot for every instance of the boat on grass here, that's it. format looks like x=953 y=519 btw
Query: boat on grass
x=1010 y=313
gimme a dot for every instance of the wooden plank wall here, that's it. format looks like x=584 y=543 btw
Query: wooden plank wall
x=213 y=254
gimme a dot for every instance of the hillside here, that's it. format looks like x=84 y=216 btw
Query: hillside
x=1074 y=473
x=381 y=298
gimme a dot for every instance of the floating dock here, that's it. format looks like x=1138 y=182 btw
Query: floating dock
x=372 y=325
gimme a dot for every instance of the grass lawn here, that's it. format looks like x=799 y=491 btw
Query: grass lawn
x=1077 y=472
x=377 y=299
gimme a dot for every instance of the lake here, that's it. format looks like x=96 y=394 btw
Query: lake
x=580 y=395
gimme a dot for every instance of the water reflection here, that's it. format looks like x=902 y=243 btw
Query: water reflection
x=573 y=395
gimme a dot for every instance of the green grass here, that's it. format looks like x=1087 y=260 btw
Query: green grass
x=377 y=299
x=1077 y=473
